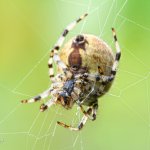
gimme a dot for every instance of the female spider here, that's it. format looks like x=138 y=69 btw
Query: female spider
x=86 y=70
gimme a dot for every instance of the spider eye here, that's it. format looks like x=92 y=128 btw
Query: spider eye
x=79 y=39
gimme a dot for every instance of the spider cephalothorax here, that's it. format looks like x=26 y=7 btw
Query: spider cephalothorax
x=86 y=70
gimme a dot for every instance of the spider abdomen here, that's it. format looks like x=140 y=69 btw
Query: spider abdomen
x=90 y=54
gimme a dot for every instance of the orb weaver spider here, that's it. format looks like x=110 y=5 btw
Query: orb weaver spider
x=86 y=70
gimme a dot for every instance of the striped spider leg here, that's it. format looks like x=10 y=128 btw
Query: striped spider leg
x=81 y=124
x=38 y=97
x=93 y=110
x=53 y=90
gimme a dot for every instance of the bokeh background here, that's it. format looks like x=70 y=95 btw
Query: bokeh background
x=28 y=30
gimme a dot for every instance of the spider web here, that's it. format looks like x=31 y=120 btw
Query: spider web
x=24 y=127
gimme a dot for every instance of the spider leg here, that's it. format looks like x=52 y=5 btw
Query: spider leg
x=81 y=124
x=48 y=104
x=83 y=121
x=38 y=97
x=116 y=62
x=52 y=90
x=85 y=112
x=118 y=54
x=54 y=52
x=92 y=110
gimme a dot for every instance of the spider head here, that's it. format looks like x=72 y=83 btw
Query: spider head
x=64 y=99
x=65 y=96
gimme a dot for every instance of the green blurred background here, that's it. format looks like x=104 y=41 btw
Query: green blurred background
x=28 y=29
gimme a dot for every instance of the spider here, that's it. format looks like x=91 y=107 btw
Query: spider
x=86 y=70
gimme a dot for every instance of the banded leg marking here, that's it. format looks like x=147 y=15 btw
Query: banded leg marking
x=51 y=70
x=86 y=113
x=48 y=104
x=39 y=97
x=81 y=124
x=83 y=121
x=90 y=110
x=45 y=94
x=95 y=108
x=118 y=54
